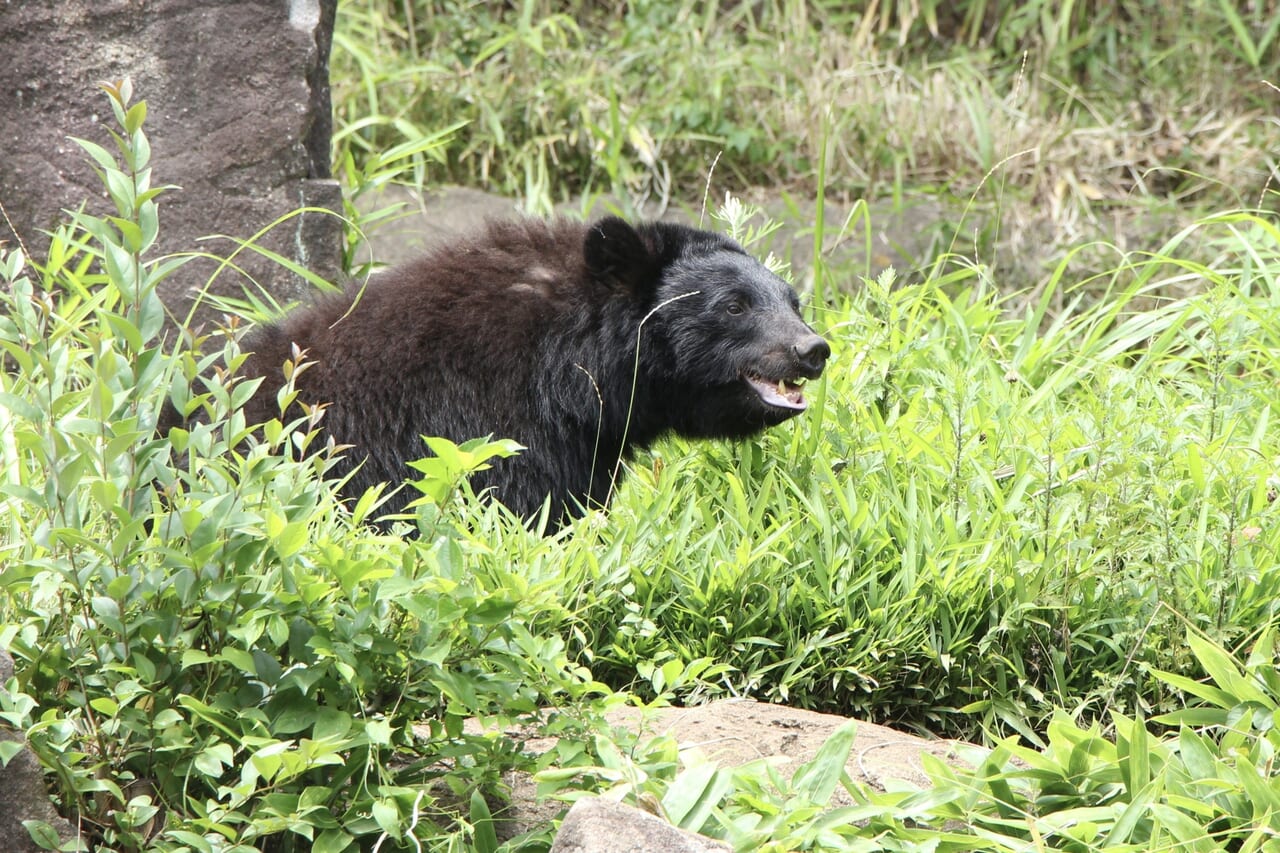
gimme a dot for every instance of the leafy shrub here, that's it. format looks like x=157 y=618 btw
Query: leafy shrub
x=212 y=654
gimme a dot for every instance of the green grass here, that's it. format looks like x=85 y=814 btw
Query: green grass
x=1112 y=102
x=987 y=518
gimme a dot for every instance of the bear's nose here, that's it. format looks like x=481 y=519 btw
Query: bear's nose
x=812 y=354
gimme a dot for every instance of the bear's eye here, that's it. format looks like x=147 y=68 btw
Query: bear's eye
x=736 y=307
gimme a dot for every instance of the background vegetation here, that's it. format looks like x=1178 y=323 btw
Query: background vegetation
x=1049 y=124
x=1037 y=511
x=566 y=97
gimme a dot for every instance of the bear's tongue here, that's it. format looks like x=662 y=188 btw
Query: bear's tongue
x=783 y=394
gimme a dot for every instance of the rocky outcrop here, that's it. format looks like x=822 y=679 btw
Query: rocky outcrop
x=596 y=825
x=238 y=117
x=732 y=733
x=23 y=796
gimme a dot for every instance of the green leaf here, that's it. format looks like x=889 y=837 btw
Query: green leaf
x=195 y=841
x=695 y=794
x=141 y=157
x=130 y=233
x=297 y=716
x=122 y=269
x=1189 y=833
x=1133 y=749
x=425 y=144
x=8 y=749
x=148 y=224
x=108 y=612
x=1123 y=831
x=134 y=118
x=314 y=797
x=1195 y=466
x=492 y=611
x=20 y=407
x=42 y=834
x=168 y=718
x=379 y=732
x=331 y=723
x=1197 y=756
x=291 y=539
x=486 y=837
x=196 y=657
x=121 y=190
x=1220 y=698
x=238 y=658
x=120 y=586
x=1261 y=792
x=333 y=841
x=1226 y=673
x=387 y=817
x=213 y=758
x=100 y=155
x=817 y=779
x=126 y=331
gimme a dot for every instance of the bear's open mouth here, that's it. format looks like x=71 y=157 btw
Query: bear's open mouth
x=784 y=393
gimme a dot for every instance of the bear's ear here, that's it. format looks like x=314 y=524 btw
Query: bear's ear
x=618 y=254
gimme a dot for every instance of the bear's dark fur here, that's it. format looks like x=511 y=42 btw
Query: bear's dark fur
x=530 y=332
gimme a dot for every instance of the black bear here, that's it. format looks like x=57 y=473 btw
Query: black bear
x=582 y=342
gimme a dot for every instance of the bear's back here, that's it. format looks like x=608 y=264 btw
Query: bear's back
x=455 y=341
x=507 y=282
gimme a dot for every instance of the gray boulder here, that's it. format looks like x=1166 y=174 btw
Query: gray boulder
x=596 y=825
x=22 y=792
x=238 y=116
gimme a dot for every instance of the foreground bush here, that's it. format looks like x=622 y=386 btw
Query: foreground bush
x=213 y=654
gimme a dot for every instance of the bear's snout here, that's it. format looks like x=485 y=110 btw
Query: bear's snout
x=811 y=355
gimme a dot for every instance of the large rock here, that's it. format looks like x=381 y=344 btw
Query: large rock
x=734 y=732
x=22 y=792
x=595 y=825
x=238 y=117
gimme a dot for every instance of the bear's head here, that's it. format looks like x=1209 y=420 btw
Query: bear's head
x=722 y=339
